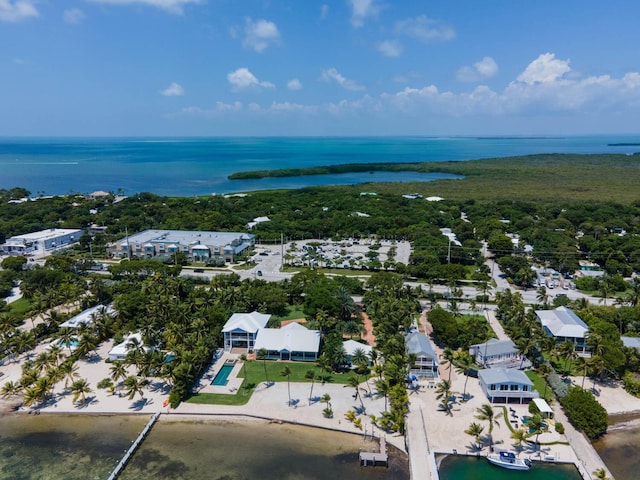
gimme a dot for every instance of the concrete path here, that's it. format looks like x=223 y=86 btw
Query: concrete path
x=490 y=315
x=418 y=445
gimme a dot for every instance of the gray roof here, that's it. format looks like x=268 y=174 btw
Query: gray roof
x=503 y=375
x=235 y=241
x=494 y=347
x=291 y=338
x=562 y=322
x=419 y=344
x=631 y=342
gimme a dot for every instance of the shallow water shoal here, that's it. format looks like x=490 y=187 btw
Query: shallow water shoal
x=228 y=450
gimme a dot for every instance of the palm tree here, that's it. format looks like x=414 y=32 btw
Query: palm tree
x=133 y=385
x=262 y=355
x=310 y=375
x=383 y=388
x=544 y=370
x=475 y=430
x=448 y=356
x=243 y=357
x=354 y=382
x=601 y=474
x=80 y=389
x=360 y=359
x=326 y=399
x=118 y=371
x=566 y=350
x=541 y=295
x=537 y=425
x=286 y=372
x=463 y=363
x=443 y=392
x=485 y=412
x=519 y=436
x=69 y=371
x=9 y=389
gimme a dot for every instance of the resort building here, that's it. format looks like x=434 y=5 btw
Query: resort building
x=88 y=316
x=40 y=242
x=426 y=363
x=196 y=245
x=292 y=342
x=506 y=385
x=351 y=347
x=498 y=353
x=241 y=330
x=562 y=324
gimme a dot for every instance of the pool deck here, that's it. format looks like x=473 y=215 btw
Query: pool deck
x=233 y=382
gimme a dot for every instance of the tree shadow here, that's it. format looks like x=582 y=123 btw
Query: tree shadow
x=92 y=400
x=140 y=404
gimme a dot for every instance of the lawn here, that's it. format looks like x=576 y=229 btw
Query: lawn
x=20 y=306
x=292 y=314
x=255 y=375
x=539 y=384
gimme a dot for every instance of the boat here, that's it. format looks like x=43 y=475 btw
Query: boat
x=509 y=460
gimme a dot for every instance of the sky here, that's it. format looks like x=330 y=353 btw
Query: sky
x=320 y=68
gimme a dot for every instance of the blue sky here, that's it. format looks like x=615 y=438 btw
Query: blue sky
x=305 y=67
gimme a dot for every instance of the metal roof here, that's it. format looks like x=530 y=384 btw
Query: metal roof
x=291 y=338
x=492 y=376
x=419 y=344
x=494 y=347
x=247 y=322
x=562 y=322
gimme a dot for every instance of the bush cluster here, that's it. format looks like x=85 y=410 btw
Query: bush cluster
x=631 y=383
x=585 y=412
x=558 y=386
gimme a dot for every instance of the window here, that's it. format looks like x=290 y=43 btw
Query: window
x=492 y=387
x=513 y=387
x=504 y=387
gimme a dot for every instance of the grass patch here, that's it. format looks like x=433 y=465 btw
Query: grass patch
x=255 y=372
x=20 y=306
x=539 y=384
x=255 y=376
x=293 y=313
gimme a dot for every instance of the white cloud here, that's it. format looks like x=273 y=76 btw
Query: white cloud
x=361 y=9
x=259 y=35
x=545 y=68
x=173 y=90
x=324 y=11
x=17 y=10
x=289 y=107
x=390 y=48
x=485 y=68
x=171 y=6
x=243 y=79
x=332 y=75
x=425 y=29
x=19 y=61
x=73 y=16
x=294 y=84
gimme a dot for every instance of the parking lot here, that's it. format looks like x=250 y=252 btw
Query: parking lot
x=345 y=254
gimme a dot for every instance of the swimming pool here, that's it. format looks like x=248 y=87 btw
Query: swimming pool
x=222 y=375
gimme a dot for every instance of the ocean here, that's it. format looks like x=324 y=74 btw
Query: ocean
x=200 y=166
x=88 y=447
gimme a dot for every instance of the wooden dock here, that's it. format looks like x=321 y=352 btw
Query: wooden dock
x=375 y=458
x=134 y=446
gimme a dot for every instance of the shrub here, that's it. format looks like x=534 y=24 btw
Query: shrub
x=105 y=383
x=558 y=386
x=533 y=408
x=585 y=412
x=559 y=428
x=631 y=383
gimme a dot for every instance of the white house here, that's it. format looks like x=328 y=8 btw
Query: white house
x=241 y=330
x=88 y=316
x=351 y=346
x=496 y=353
x=119 y=352
x=292 y=342
x=426 y=363
x=41 y=242
x=506 y=385
x=562 y=324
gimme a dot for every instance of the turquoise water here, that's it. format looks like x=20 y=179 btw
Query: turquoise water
x=200 y=166
x=472 y=468
x=222 y=375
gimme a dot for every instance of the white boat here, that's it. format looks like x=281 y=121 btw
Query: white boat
x=509 y=460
